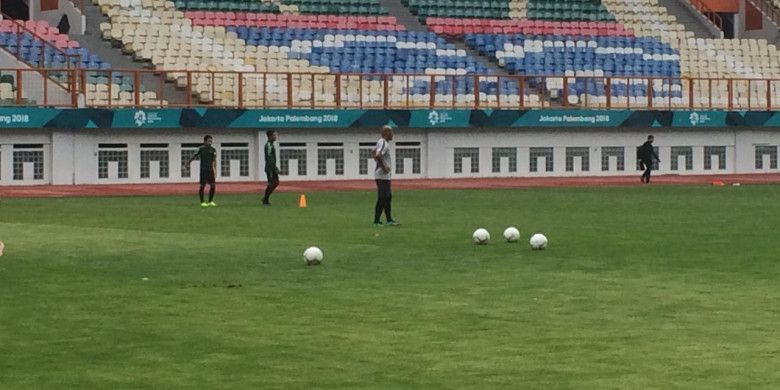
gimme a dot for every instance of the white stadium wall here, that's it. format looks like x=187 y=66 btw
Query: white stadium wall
x=147 y=156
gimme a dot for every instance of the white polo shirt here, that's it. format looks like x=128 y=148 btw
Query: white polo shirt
x=384 y=148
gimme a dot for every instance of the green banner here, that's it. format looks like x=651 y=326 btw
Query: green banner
x=14 y=118
x=220 y=118
x=296 y=118
x=440 y=118
x=146 y=119
x=699 y=119
x=571 y=118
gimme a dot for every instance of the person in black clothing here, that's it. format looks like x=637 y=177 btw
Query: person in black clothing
x=208 y=170
x=64 y=25
x=646 y=154
x=271 y=170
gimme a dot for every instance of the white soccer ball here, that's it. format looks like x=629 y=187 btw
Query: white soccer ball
x=481 y=236
x=538 y=241
x=511 y=234
x=312 y=256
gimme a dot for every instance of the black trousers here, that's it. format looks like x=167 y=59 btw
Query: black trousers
x=384 y=196
x=648 y=167
x=273 y=182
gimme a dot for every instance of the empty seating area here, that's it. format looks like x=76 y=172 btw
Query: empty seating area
x=233 y=6
x=41 y=29
x=587 y=63
x=569 y=10
x=557 y=55
x=338 y=7
x=361 y=51
x=552 y=52
x=647 y=18
x=8 y=92
x=40 y=45
x=455 y=28
x=249 y=19
x=459 y=8
x=706 y=58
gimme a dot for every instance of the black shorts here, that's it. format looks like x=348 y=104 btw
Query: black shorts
x=207 y=176
x=272 y=175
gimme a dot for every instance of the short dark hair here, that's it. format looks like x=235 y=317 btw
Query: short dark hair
x=206 y=138
x=269 y=133
x=650 y=136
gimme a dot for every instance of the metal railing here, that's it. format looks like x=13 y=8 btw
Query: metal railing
x=46 y=47
x=708 y=13
x=38 y=88
x=64 y=79
x=146 y=88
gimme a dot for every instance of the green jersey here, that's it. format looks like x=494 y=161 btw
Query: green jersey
x=207 y=155
x=270 y=156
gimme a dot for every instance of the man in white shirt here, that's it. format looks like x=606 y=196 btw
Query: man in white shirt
x=383 y=155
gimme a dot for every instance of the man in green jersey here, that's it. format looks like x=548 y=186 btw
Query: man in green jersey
x=271 y=170
x=208 y=170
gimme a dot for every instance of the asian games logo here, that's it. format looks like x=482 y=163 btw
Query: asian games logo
x=694 y=118
x=140 y=118
x=699 y=119
x=433 y=118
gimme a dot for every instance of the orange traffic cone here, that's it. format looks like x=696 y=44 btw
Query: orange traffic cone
x=302 y=201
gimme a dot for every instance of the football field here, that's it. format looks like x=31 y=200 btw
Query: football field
x=640 y=287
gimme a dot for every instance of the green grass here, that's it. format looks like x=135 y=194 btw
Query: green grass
x=643 y=287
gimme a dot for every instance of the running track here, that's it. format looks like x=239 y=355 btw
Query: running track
x=361 y=185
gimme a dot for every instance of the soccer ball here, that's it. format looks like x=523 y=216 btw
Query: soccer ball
x=538 y=241
x=481 y=236
x=312 y=256
x=511 y=234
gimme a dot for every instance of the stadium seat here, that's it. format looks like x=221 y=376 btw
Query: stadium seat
x=41 y=45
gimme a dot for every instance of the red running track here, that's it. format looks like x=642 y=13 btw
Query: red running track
x=362 y=185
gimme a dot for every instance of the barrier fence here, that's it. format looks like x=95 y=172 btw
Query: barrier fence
x=153 y=88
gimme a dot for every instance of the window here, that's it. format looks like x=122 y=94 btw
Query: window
x=710 y=151
x=28 y=154
x=112 y=153
x=766 y=150
x=535 y=154
x=685 y=151
x=618 y=152
x=583 y=153
x=461 y=153
x=508 y=153
x=292 y=151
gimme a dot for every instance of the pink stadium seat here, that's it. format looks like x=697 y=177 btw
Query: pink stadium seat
x=457 y=27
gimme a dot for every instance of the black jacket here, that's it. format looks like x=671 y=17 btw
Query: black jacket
x=646 y=152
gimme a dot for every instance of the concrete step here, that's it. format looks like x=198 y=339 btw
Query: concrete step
x=690 y=18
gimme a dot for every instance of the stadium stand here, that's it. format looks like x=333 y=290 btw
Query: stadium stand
x=223 y=41
x=38 y=44
x=340 y=7
x=588 y=41
x=705 y=58
x=570 y=52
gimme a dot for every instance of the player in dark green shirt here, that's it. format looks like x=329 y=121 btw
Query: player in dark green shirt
x=271 y=170
x=208 y=169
